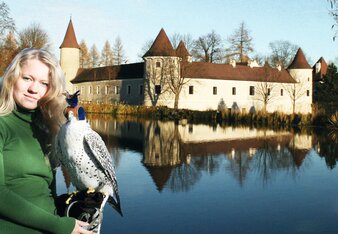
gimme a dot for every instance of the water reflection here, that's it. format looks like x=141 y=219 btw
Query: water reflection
x=177 y=155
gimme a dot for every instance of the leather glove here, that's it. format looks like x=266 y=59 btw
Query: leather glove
x=82 y=206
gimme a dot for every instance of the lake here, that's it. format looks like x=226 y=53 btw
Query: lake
x=195 y=178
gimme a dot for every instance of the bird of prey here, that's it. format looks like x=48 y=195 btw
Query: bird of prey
x=83 y=153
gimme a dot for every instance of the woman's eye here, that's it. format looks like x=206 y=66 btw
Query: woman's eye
x=45 y=84
x=26 y=78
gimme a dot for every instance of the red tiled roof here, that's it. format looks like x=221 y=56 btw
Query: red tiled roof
x=125 y=71
x=181 y=51
x=70 y=39
x=299 y=61
x=323 y=69
x=161 y=46
x=160 y=175
x=240 y=72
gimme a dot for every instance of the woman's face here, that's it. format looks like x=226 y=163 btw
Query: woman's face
x=32 y=84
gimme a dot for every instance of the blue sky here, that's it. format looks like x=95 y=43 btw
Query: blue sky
x=306 y=23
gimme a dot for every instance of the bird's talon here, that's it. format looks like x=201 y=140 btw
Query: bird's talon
x=70 y=197
x=90 y=190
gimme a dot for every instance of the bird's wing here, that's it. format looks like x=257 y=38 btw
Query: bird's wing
x=96 y=145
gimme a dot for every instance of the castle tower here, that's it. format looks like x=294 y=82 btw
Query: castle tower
x=301 y=71
x=182 y=52
x=70 y=56
x=161 y=64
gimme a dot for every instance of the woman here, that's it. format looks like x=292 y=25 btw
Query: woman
x=30 y=115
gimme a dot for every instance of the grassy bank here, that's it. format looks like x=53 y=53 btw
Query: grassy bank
x=275 y=119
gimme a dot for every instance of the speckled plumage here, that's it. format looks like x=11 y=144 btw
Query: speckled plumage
x=83 y=153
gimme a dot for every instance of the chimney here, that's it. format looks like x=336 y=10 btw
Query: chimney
x=233 y=63
x=252 y=63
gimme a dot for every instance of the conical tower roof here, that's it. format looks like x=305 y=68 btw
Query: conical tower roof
x=181 y=51
x=299 y=61
x=161 y=46
x=70 y=39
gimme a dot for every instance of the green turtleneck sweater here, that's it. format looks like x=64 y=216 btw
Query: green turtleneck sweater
x=26 y=201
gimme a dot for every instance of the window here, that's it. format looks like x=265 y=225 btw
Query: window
x=117 y=89
x=82 y=89
x=191 y=89
x=233 y=90
x=97 y=89
x=281 y=92
x=141 y=90
x=106 y=89
x=269 y=91
x=214 y=90
x=307 y=92
x=252 y=90
x=157 y=89
x=90 y=89
x=128 y=89
x=190 y=128
x=158 y=64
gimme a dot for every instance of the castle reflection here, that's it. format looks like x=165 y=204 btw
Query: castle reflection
x=176 y=155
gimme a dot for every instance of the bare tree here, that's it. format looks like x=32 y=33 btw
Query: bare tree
x=85 y=59
x=240 y=44
x=118 y=50
x=146 y=46
x=186 y=38
x=107 y=56
x=334 y=13
x=264 y=88
x=158 y=78
x=33 y=36
x=296 y=91
x=177 y=81
x=208 y=48
x=94 y=55
x=6 y=22
x=282 y=52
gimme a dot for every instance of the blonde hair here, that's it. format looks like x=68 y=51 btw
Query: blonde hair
x=52 y=103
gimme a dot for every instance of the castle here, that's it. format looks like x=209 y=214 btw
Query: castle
x=169 y=77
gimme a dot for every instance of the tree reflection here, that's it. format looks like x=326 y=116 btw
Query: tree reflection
x=327 y=148
x=176 y=155
x=271 y=158
x=183 y=177
x=162 y=155
x=208 y=163
x=239 y=165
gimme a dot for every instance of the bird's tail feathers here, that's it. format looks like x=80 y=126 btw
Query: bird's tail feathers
x=115 y=203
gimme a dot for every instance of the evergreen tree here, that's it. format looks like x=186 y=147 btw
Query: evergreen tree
x=85 y=60
x=119 y=52
x=326 y=92
x=240 y=44
x=95 y=56
x=107 y=57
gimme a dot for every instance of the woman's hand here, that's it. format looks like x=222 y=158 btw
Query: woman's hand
x=78 y=229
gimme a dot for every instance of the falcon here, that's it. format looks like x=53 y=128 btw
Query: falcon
x=85 y=156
